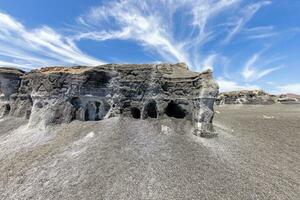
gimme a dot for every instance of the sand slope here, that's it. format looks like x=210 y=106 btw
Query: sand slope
x=255 y=156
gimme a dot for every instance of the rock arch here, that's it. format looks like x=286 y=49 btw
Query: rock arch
x=175 y=110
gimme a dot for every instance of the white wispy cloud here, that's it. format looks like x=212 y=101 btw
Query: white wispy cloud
x=135 y=20
x=229 y=85
x=260 y=32
x=151 y=24
x=253 y=71
x=28 y=48
x=209 y=61
x=246 y=15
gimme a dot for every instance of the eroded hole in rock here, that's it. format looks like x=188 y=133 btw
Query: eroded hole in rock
x=39 y=105
x=90 y=112
x=135 y=113
x=76 y=102
x=98 y=104
x=174 y=110
x=150 y=110
x=99 y=79
x=102 y=109
x=6 y=109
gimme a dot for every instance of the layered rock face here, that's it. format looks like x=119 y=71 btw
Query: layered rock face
x=246 y=97
x=57 y=95
x=9 y=84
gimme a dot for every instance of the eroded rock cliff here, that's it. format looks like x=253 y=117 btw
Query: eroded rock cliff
x=57 y=95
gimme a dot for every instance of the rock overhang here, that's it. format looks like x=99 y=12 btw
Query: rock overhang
x=64 y=94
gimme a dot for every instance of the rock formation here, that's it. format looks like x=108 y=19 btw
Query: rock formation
x=246 y=97
x=289 y=98
x=57 y=95
x=9 y=84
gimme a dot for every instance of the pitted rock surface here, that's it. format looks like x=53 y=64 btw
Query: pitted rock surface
x=55 y=95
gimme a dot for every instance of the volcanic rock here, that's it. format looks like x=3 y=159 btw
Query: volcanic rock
x=289 y=98
x=56 y=95
x=255 y=97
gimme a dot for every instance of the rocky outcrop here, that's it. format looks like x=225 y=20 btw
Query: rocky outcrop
x=255 y=97
x=10 y=80
x=57 y=95
x=289 y=99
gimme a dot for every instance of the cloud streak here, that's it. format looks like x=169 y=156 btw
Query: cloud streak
x=42 y=46
x=252 y=71
x=152 y=25
x=246 y=15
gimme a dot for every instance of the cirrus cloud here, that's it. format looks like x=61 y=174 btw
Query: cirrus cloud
x=30 y=48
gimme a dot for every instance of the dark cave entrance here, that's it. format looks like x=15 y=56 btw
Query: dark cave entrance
x=90 y=112
x=76 y=102
x=98 y=104
x=98 y=79
x=7 y=108
x=174 y=110
x=150 y=110
x=135 y=113
x=96 y=111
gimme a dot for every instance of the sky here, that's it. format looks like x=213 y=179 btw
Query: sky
x=249 y=44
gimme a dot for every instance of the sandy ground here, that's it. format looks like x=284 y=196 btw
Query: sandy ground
x=255 y=156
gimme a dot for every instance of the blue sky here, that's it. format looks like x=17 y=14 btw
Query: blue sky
x=249 y=44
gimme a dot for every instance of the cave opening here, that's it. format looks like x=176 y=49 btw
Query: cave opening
x=174 y=110
x=135 y=113
x=90 y=112
x=97 y=104
x=7 y=108
x=150 y=110
x=76 y=102
x=86 y=115
x=99 y=79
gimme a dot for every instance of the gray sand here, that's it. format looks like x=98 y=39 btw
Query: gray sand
x=255 y=156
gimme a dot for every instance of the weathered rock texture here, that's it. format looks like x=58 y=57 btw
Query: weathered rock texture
x=9 y=84
x=289 y=98
x=257 y=97
x=57 y=95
